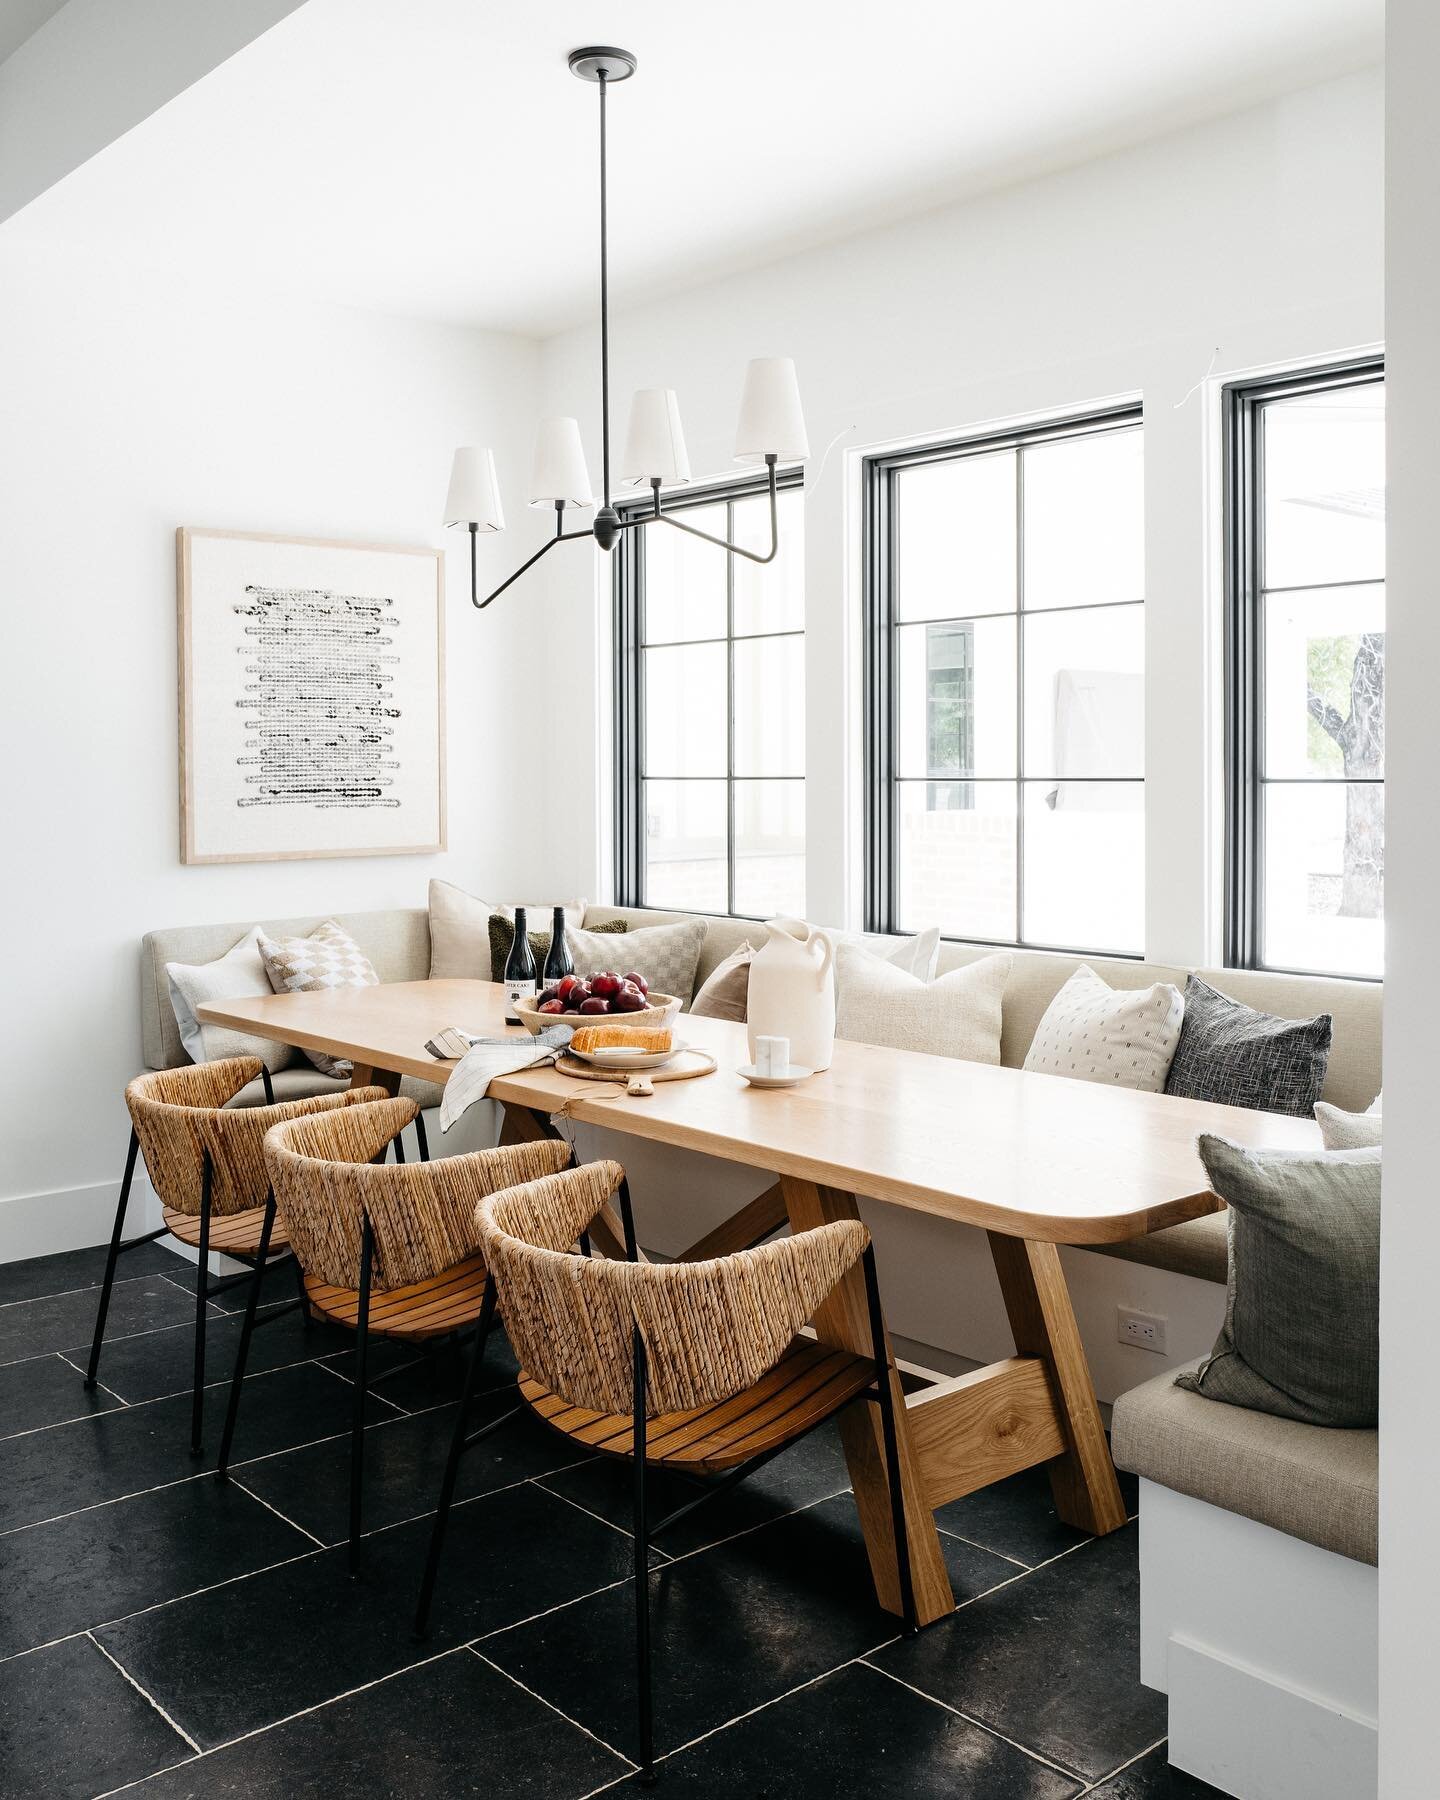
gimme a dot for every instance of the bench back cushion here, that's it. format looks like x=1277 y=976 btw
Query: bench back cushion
x=396 y=941
x=1352 y=1077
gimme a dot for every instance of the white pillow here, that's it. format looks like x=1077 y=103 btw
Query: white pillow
x=1346 y=1130
x=235 y=976
x=916 y=955
x=956 y=1015
x=1093 y=1032
x=460 y=929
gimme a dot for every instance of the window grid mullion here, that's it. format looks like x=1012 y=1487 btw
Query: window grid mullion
x=730 y=711
x=1020 y=696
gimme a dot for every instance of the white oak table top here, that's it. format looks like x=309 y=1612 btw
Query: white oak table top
x=1028 y=1155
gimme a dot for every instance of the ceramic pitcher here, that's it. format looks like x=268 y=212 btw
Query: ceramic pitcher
x=792 y=992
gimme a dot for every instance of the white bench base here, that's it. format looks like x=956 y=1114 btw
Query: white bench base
x=1267 y=1648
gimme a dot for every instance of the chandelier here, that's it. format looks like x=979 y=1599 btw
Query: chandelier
x=771 y=428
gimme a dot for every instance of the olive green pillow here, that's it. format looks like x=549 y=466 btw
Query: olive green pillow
x=1301 y=1337
x=502 y=936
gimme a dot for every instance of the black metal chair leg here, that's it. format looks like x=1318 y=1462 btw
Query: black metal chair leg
x=452 y=1463
x=420 y=1138
x=242 y=1354
x=306 y=1315
x=202 y=1283
x=892 y=1446
x=644 y=1696
x=268 y=1085
x=357 y=1424
x=93 y=1368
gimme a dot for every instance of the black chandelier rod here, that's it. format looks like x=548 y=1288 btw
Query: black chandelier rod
x=613 y=524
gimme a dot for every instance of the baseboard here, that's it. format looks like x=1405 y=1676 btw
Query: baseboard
x=1248 y=1734
x=67 y=1219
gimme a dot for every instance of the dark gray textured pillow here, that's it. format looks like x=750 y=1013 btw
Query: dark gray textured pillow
x=1301 y=1337
x=1236 y=1056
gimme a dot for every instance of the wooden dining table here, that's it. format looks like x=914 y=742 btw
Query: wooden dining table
x=1034 y=1160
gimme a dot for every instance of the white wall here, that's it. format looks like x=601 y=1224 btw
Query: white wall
x=130 y=405
x=1260 y=234
x=1410 y=1236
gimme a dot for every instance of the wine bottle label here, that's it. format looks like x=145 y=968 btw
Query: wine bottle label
x=519 y=990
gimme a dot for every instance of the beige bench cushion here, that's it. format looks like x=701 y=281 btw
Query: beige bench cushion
x=1310 y=1481
x=1198 y=1247
x=300 y=1083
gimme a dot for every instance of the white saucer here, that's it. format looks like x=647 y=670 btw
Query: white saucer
x=793 y=1075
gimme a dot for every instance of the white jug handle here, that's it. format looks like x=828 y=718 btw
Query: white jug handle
x=827 y=959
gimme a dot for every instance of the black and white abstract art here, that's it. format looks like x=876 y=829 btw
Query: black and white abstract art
x=311 y=707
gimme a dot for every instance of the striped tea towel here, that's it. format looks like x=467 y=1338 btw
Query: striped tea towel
x=488 y=1057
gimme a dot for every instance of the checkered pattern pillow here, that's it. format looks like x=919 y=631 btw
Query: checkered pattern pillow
x=328 y=958
x=666 y=955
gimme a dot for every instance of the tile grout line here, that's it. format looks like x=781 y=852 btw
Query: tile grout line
x=261 y=1501
x=93 y=1287
x=486 y=1637
x=100 y=1384
x=539 y=1482
x=775 y=1699
x=1139 y=1756
x=979 y=1724
x=975 y=1544
x=594 y=1736
x=370 y=1393
x=745 y=1531
x=129 y=1337
x=143 y=1693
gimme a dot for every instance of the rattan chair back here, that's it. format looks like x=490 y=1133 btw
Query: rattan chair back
x=710 y=1329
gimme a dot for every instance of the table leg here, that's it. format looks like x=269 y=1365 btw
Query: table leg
x=1087 y=1495
x=843 y=1321
x=362 y=1075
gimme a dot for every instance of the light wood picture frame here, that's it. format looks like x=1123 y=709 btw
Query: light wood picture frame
x=311 y=697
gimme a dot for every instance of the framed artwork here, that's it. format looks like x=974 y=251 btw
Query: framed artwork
x=312 y=698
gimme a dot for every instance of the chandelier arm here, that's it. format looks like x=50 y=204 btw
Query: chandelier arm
x=663 y=518
x=560 y=537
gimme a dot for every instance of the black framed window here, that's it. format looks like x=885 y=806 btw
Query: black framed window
x=710 y=708
x=1305 y=671
x=1004 y=687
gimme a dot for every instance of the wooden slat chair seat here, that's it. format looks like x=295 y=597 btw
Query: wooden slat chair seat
x=805 y=1387
x=695 y=1367
x=205 y=1160
x=236 y=1234
x=419 y=1310
x=386 y=1249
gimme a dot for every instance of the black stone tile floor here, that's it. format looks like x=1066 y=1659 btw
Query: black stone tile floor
x=164 y=1634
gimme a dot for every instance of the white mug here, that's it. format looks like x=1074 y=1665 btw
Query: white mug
x=772 y=1055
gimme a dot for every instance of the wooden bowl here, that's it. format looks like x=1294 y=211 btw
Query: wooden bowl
x=655 y=1017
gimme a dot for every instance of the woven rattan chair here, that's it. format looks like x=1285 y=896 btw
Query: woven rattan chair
x=388 y=1251
x=205 y=1161
x=696 y=1368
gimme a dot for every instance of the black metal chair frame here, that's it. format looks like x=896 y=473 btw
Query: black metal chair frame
x=362 y=1383
x=205 y=1289
x=644 y=1533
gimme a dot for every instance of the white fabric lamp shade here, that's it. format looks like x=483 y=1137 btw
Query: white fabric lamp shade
x=771 y=421
x=559 y=477
x=474 y=497
x=655 y=442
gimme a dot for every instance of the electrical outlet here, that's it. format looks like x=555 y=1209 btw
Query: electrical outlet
x=1146 y=1331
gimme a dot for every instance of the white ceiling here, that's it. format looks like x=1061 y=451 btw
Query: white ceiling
x=435 y=157
x=21 y=19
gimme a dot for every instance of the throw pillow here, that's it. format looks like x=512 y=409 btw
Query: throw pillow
x=958 y=1014
x=1345 y=1130
x=460 y=930
x=1093 y=1032
x=1232 y=1054
x=665 y=955
x=1301 y=1337
x=328 y=958
x=916 y=955
x=502 y=936
x=725 y=992
x=239 y=973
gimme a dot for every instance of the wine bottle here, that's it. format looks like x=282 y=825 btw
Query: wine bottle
x=558 y=961
x=519 y=970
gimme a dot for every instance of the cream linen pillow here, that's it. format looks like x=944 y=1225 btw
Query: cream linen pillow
x=1093 y=1032
x=956 y=1015
x=1346 y=1130
x=460 y=929
x=238 y=974
x=328 y=958
x=916 y=955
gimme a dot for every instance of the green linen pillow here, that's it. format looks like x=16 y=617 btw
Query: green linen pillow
x=1301 y=1337
x=502 y=936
